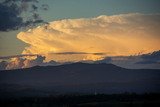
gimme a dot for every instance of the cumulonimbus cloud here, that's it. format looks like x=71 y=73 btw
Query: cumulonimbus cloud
x=116 y=35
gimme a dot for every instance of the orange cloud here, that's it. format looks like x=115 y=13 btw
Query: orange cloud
x=116 y=35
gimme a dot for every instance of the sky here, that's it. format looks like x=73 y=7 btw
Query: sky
x=62 y=9
x=70 y=18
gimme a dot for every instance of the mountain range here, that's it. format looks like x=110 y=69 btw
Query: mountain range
x=78 y=78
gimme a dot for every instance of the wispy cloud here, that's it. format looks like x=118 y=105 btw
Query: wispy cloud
x=80 y=53
x=17 y=56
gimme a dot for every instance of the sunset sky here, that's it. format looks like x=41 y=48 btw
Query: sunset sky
x=73 y=30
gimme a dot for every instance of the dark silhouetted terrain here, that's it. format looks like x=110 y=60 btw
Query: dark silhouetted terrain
x=80 y=85
x=90 y=100
x=78 y=78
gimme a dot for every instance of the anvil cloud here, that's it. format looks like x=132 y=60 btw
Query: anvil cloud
x=116 y=35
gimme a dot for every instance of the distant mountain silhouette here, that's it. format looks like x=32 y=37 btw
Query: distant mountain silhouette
x=79 y=78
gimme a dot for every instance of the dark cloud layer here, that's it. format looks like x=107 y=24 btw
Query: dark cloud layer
x=144 y=61
x=150 y=58
x=71 y=53
x=11 y=14
x=17 y=56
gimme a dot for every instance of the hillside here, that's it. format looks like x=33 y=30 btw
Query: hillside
x=79 y=78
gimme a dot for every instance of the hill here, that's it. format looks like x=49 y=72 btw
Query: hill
x=78 y=78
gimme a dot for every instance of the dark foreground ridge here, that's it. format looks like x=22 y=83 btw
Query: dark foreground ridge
x=78 y=78
x=90 y=100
